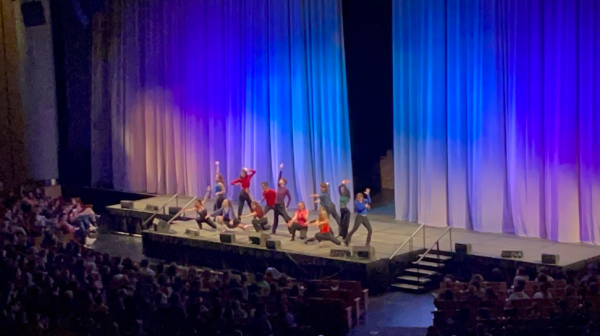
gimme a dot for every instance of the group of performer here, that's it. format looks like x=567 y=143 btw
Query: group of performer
x=278 y=201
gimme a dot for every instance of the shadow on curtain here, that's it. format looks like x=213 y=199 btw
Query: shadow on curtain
x=496 y=110
x=251 y=84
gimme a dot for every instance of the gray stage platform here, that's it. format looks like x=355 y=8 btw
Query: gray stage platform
x=388 y=235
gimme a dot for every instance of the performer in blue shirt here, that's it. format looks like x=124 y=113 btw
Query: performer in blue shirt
x=361 y=205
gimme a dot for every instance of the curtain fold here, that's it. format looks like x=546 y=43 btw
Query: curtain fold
x=512 y=88
x=247 y=83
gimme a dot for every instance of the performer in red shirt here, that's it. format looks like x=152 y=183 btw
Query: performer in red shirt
x=269 y=195
x=244 y=182
x=260 y=221
x=324 y=229
x=299 y=221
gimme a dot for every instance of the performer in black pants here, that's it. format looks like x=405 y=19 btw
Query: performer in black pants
x=325 y=199
x=201 y=212
x=344 y=212
x=244 y=182
x=361 y=205
x=324 y=229
x=260 y=222
x=299 y=222
x=280 y=205
x=219 y=188
x=226 y=218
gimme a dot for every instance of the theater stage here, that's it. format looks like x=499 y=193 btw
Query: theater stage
x=388 y=236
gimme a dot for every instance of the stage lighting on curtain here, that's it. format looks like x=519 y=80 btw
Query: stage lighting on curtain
x=248 y=83
x=495 y=106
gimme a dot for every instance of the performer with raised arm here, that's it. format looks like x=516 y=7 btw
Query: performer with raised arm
x=219 y=188
x=324 y=229
x=324 y=198
x=299 y=221
x=280 y=201
x=344 y=212
x=201 y=212
x=226 y=218
x=361 y=205
x=244 y=182
x=260 y=221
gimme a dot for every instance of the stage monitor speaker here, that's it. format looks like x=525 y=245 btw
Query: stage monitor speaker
x=192 y=232
x=126 y=204
x=258 y=238
x=227 y=237
x=512 y=254
x=151 y=207
x=463 y=248
x=273 y=244
x=340 y=253
x=160 y=226
x=364 y=252
x=550 y=259
x=174 y=210
x=33 y=14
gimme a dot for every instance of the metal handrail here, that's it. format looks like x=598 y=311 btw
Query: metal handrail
x=182 y=209
x=448 y=229
x=422 y=226
x=157 y=211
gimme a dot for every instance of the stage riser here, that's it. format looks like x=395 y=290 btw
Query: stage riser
x=373 y=275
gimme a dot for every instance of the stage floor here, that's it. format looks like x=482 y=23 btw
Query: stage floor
x=388 y=235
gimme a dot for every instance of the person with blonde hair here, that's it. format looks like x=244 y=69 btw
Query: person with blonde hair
x=324 y=229
x=226 y=218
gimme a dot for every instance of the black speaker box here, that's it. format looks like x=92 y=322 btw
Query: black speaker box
x=550 y=259
x=512 y=254
x=463 y=248
x=273 y=244
x=151 y=207
x=340 y=253
x=364 y=252
x=258 y=238
x=126 y=204
x=33 y=14
x=174 y=210
x=227 y=237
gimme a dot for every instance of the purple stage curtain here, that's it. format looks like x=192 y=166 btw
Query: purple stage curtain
x=496 y=115
x=251 y=83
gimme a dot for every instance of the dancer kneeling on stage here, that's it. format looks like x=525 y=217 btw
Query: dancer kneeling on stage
x=361 y=205
x=201 y=212
x=226 y=218
x=298 y=222
x=324 y=230
x=260 y=222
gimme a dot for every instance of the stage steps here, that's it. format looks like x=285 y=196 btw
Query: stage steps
x=422 y=276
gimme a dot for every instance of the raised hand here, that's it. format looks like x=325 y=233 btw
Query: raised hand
x=208 y=188
x=345 y=181
x=281 y=166
x=245 y=169
x=367 y=191
x=217 y=163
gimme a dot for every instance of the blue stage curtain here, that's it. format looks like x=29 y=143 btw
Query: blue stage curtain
x=250 y=83
x=496 y=115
